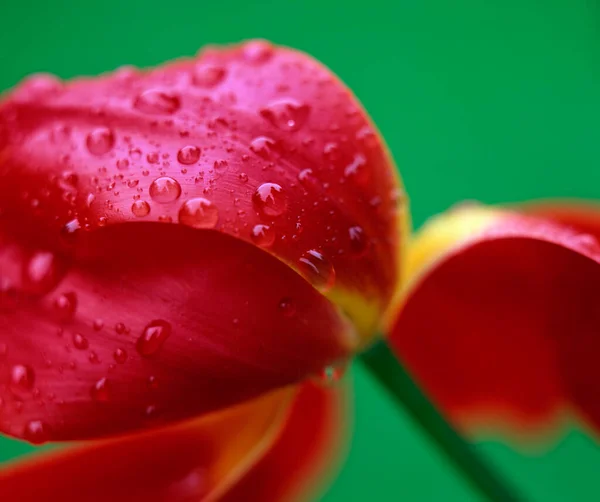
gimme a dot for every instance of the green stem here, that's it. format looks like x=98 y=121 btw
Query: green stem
x=391 y=374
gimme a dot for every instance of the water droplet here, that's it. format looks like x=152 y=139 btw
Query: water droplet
x=332 y=374
x=220 y=165
x=93 y=358
x=199 y=213
x=263 y=235
x=153 y=158
x=71 y=229
x=100 y=141
x=98 y=324
x=263 y=146
x=331 y=151
x=207 y=75
x=153 y=337
x=42 y=272
x=151 y=411
x=307 y=178
x=135 y=153
x=100 y=391
x=140 y=208
x=122 y=164
x=188 y=155
x=270 y=199
x=287 y=307
x=286 y=114
x=165 y=190
x=257 y=51
x=317 y=270
x=243 y=177
x=39 y=85
x=65 y=306
x=90 y=199
x=358 y=240
x=37 y=432
x=120 y=356
x=22 y=376
x=133 y=183
x=367 y=137
x=120 y=328
x=155 y=101
x=357 y=169
x=152 y=383
x=80 y=342
x=70 y=179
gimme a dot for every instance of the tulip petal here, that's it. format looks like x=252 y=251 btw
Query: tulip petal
x=147 y=326
x=303 y=455
x=259 y=142
x=499 y=318
x=194 y=460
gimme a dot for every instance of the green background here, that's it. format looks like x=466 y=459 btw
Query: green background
x=495 y=100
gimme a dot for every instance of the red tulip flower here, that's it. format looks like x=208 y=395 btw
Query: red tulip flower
x=186 y=251
x=182 y=251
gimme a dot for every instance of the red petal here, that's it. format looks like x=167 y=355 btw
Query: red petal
x=304 y=452
x=150 y=326
x=500 y=322
x=192 y=461
x=259 y=142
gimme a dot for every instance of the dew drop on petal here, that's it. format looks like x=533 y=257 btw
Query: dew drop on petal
x=208 y=75
x=42 y=272
x=98 y=324
x=135 y=154
x=287 y=307
x=37 y=432
x=317 y=270
x=65 y=306
x=188 y=155
x=80 y=342
x=263 y=146
x=140 y=208
x=262 y=235
x=22 y=377
x=257 y=51
x=270 y=199
x=100 y=391
x=120 y=328
x=153 y=158
x=120 y=355
x=70 y=230
x=358 y=241
x=286 y=114
x=100 y=141
x=122 y=164
x=153 y=337
x=165 y=189
x=152 y=383
x=199 y=213
x=155 y=101
x=243 y=177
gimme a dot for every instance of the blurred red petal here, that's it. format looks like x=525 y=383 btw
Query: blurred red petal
x=195 y=460
x=305 y=452
x=500 y=321
x=150 y=323
x=259 y=142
